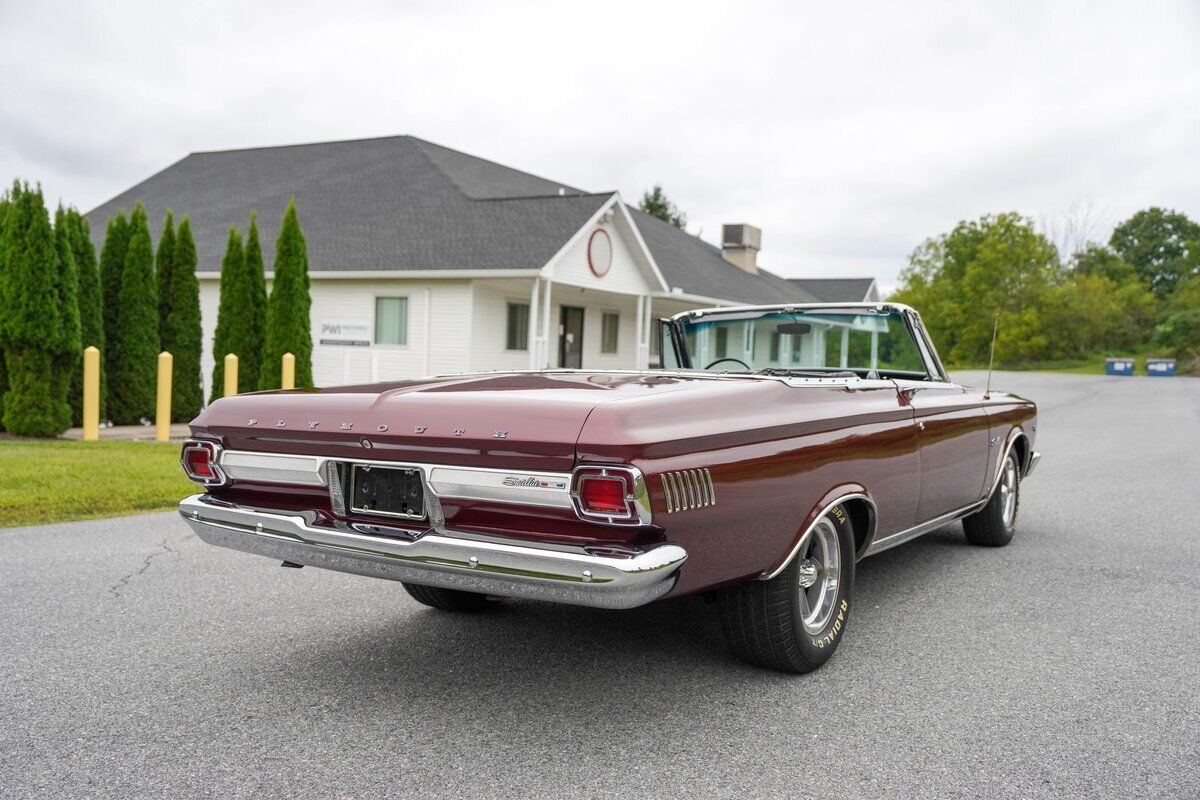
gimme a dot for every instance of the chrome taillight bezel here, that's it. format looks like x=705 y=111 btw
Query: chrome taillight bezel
x=219 y=478
x=637 y=496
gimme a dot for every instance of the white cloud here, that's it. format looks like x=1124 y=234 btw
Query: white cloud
x=849 y=134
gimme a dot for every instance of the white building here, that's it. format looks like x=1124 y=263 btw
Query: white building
x=425 y=260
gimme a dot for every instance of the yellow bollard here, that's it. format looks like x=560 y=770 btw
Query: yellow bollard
x=91 y=395
x=289 y=371
x=230 y=375
x=162 y=409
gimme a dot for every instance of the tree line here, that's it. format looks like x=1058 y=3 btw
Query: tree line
x=136 y=300
x=1141 y=289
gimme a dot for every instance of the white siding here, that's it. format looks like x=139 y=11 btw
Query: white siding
x=445 y=304
x=625 y=276
x=489 y=329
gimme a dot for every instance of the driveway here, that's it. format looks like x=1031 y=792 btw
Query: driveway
x=137 y=661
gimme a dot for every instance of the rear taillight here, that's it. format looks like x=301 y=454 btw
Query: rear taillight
x=199 y=461
x=611 y=494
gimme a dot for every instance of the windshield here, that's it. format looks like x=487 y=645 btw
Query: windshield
x=863 y=342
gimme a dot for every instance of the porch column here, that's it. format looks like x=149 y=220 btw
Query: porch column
x=637 y=339
x=646 y=340
x=544 y=361
x=532 y=335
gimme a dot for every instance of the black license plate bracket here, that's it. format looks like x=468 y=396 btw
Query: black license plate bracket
x=387 y=491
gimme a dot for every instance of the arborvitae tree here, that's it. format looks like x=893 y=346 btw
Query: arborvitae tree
x=67 y=346
x=229 y=314
x=112 y=267
x=91 y=303
x=242 y=315
x=163 y=262
x=255 y=311
x=181 y=334
x=31 y=327
x=288 y=327
x=5 y=203
x=134 y=343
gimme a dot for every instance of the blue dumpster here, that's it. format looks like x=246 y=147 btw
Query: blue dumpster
x=1160 y=367
x=1118 y=366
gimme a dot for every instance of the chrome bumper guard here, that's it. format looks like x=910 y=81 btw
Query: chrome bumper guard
x=1034 y=458
x=438 y=559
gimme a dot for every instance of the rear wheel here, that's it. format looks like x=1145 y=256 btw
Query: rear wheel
x=448 y=599
x=794 y=621
x=994 y=524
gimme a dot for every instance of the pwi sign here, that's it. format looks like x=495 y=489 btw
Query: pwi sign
x=345 y=333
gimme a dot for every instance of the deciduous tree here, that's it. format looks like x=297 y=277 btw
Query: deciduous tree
x=1154 y=242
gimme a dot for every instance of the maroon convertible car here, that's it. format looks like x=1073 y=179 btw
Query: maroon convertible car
x=775 y=448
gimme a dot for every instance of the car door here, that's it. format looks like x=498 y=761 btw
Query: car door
x=952 y=437
x=953 y=434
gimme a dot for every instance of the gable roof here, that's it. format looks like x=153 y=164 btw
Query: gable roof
x=835 y=290
x=401 y=203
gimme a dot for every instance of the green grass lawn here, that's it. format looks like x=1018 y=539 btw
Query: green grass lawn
x=1093 y=365
x=56 y=480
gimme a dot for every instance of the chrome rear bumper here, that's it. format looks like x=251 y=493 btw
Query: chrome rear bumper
x=1034 y=458
x=437 y=559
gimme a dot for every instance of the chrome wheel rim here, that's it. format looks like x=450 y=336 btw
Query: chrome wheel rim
x=818 y=573
x=1008 y=493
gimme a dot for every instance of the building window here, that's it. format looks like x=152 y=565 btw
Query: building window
x=391 y=320
x=722 y=341
x=518 y=327
x=610 y=323
x=775 y=337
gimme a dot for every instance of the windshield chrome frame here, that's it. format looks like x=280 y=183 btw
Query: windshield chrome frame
x=912 y=321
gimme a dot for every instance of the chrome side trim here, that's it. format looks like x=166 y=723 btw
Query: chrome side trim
x=439 y=559
x=767 y=575
x=887 y=542
x=1014 y=434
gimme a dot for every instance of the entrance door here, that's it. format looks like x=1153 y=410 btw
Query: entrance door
x=570 y=338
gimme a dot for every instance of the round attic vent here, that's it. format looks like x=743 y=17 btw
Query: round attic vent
x=599 y=252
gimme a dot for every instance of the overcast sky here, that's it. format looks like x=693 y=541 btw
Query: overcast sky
x=848 y=132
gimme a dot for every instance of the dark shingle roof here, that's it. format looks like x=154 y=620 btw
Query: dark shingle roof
x=698 y=267
x=401 y=203
x=835 y=290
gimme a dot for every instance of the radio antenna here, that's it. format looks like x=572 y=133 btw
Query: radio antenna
x=991 y=358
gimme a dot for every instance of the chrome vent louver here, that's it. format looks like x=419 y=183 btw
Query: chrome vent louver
x=686 y=489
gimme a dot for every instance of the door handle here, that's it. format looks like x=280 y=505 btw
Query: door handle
x=921 y=425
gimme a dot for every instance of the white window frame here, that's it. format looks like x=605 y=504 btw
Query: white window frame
x=606 y=312
x=509 y=302
x=375 y=320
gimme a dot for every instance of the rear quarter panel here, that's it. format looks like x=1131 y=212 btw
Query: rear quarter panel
x=777 y=455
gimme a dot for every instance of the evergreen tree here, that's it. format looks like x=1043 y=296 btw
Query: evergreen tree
x=229 y=310
x=181 y=334
x=5 y=203
x=133 y=344
x=242 y=315
x=112 y=267
x=32 y=325
x=255 y=310
x=91 y=303
x=67 y=346
x=656 y=203
x=288 y=327
x=163 y=258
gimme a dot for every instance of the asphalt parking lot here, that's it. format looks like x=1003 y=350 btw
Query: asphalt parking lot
x=135 y=661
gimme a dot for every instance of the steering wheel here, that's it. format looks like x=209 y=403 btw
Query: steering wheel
x=719 y=360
